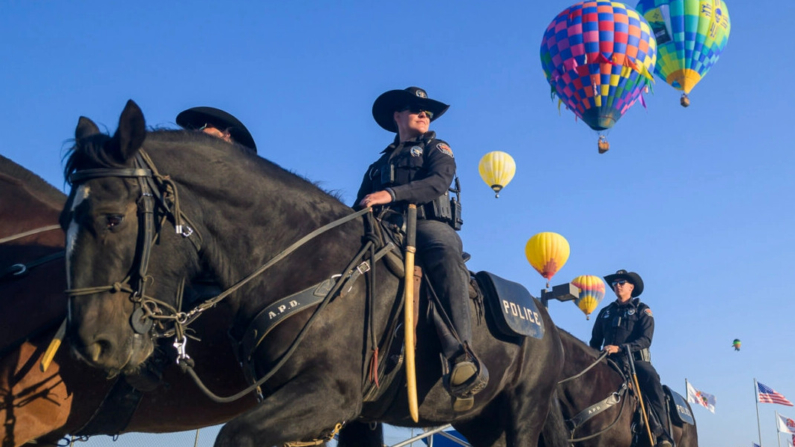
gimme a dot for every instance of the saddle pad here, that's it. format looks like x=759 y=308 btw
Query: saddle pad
x=514 y=310
x=680 y=410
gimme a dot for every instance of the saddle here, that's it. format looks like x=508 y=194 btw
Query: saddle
x=678 y=408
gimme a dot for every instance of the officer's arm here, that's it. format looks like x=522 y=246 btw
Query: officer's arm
x=440 y=166
x=644 y=330
x=597 y=337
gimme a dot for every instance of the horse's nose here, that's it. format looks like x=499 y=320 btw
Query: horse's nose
x=101 y=347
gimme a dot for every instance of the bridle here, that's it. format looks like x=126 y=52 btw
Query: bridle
x=159 y=196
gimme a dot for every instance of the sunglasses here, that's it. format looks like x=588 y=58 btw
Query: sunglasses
x=620 y=281
x=418 y=110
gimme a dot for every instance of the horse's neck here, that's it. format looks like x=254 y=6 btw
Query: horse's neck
x=22 y=210
x=252 y=218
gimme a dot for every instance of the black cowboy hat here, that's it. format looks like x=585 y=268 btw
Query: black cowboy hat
x=196 y=117
x=390 y=102
x=632 y=277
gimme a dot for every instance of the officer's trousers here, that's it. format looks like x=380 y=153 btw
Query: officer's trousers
x=441 y=252
x=649 y=382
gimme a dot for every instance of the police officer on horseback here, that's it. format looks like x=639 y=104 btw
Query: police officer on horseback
x=217 y=123
x=628 y=323
x=418 y=168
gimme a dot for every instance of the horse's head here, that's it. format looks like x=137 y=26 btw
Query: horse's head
x=118 y=209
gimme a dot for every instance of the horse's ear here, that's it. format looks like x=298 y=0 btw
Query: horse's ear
x=85 y=128
x=130 y=135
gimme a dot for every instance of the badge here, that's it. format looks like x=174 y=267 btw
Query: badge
x=631 y=312
x=445 y=149
x=416 y=151
x=607 y=314
x=421 y=93
x=647 y=312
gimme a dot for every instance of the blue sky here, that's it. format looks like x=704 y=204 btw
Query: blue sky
x=698 y=201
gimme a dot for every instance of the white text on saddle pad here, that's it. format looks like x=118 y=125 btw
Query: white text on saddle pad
x=520 y=311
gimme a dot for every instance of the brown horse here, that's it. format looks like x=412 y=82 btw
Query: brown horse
x=46 y=406
x=597 y=384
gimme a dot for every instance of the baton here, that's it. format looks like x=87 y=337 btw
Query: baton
x=408 y=312
x=640 y=397
x=49 y=354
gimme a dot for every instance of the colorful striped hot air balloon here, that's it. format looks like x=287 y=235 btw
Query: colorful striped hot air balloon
x=547 y=252
x=592 y=290
x=598 y=56
x=497 y=169
x=691 y=35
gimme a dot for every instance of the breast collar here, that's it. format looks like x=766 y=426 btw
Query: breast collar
x=422 y=139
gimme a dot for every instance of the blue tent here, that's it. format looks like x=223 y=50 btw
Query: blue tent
x=441 y=441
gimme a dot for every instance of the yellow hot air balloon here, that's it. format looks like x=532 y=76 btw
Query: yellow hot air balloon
x=592 y=290
x=497 y=169
x=547 y=252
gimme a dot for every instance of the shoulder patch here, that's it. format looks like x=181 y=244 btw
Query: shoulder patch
x=647 y=311
x=445 y=149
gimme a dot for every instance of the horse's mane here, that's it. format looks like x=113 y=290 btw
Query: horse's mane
x=88 y=153
x=32 y=182
x=580 y=345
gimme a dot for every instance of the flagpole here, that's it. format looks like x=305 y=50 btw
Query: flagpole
x=756 y=399
x=778 y=432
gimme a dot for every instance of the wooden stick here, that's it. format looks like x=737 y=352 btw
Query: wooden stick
x=408 y=313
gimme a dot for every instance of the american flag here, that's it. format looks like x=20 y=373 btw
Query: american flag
x=768 y=395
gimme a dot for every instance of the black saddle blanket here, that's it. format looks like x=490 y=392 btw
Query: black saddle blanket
x=681 y=412
x=514 y=310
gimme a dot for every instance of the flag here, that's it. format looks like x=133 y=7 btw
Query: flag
x=768 y=395
x=785 y=424
x=695 y=396
x=753 y=444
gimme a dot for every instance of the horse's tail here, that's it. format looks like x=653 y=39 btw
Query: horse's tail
x=554 y=433
x=361 y=434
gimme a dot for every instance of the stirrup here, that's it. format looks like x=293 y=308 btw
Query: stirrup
x=467 y=377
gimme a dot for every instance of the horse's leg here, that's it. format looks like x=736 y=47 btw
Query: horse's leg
x=488 y=428
x=361 y=434
x=528 y=410
x=305 y=408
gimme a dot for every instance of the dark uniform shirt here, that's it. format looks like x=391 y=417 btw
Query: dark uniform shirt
x=618 y=324
x=424 y=168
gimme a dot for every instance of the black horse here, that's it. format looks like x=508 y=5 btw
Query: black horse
x=235 y=212
x=613 y=426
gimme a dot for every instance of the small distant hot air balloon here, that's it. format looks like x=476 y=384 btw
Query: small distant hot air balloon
x=592 y=290
x=547 y=252
x=691 y=35
x=736 y=344
x=497 y=169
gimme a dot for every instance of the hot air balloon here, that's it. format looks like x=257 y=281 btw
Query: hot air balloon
x=497 y=169
x=592 y=290
x=736 y=344
x=547 y=252
x=598 y=56
x=691 y=35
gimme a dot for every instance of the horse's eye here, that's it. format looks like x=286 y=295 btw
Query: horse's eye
x=113 y=220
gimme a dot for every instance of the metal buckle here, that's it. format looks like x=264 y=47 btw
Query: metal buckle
x=363 y=267
x=180 y=345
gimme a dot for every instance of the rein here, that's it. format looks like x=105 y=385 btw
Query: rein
x=153 y=185
x=580 y=418
x=19 y=270
x=29 y=233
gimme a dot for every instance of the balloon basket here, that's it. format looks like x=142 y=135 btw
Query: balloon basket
x=603 y=145
x=684 y=100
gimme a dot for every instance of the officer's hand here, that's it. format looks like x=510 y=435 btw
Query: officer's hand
x=376 y=198
x=611 y=349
